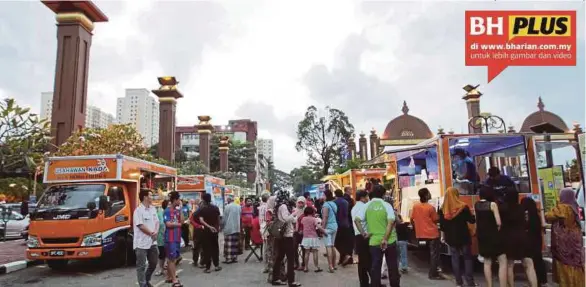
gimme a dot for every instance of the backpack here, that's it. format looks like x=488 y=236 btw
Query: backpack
x=276 y=227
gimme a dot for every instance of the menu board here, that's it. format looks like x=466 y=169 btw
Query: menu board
x=551 y=181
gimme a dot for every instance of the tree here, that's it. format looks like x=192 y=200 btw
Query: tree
x=350 y=164
x=116 y=139
x=278 y=179
x=303 y=177
x=241 y=156
x=23 y=139
x=323 y=137
x=15 y=188
x=191 y=167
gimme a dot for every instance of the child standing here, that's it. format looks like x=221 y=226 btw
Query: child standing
x=310 y=242
x=402 y=239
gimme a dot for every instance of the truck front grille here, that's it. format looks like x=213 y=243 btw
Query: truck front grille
x=63 y=240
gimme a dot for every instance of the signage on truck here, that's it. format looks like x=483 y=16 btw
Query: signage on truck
x=551 y=180
x=190 y=183
x=82 y=169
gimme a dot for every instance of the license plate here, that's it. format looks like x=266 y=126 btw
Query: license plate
x=56 y=253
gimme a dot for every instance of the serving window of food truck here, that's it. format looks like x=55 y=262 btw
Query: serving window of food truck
x=471 y=156
x=415 y=169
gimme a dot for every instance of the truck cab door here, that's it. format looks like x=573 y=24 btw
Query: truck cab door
x=118 y=210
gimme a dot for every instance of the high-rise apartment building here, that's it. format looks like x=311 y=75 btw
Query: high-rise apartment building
x=265 y=147
x=141 y=110
x=94 y=116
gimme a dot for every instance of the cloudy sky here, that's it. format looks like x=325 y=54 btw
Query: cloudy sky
x=269 y=59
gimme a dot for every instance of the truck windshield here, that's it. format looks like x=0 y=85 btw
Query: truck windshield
x=71 y=196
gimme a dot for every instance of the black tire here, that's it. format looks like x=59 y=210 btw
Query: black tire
x=58 y=264
x=116 y=257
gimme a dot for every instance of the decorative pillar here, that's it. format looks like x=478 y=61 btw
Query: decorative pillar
x=224 y=147
x=75 y=23
x=204 y=129
x=373 y=141
x=362 y=147
x=352 y=146
x=168 y=95
x=472 y=98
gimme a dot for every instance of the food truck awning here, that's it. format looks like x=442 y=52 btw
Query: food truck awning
x=401 y=153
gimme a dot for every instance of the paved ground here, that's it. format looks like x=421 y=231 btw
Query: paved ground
x=92 y=274
x=11 y=251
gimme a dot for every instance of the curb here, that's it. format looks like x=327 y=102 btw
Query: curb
x=18 y=265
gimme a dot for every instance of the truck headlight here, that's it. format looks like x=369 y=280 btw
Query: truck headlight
x=92 y=239
x=32 y=241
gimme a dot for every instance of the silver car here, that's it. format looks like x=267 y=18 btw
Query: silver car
x=16 y=225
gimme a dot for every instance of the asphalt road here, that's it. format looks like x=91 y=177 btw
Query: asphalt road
x=239 y=274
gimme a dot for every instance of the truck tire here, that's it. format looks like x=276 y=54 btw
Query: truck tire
x=59 y=264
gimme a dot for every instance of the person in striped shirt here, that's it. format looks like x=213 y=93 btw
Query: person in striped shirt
x=173 y=219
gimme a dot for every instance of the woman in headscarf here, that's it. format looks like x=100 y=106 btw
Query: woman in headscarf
x=270 y=251
x=285 y=246
x=534 y=229
x=516 y=238
x=298 y=213
x=567 y=245
x=455 y=216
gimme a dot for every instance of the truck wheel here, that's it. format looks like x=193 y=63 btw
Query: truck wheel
x=59 y=265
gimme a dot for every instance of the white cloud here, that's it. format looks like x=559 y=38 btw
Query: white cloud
x=268 y=60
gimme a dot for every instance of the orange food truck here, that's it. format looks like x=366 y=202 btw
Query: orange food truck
x=356 y=179
x=86 y=210
x=193 y=186
x=432 y=164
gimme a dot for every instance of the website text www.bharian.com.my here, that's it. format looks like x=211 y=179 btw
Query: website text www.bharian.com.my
x=525 y=46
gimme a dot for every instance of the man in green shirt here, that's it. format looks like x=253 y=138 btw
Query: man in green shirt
x=380 y=218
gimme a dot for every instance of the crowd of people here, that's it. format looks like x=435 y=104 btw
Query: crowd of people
x=291 y=231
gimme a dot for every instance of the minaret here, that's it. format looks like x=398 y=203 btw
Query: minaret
x=362 y=147
x=373 y=143
x=352 y=146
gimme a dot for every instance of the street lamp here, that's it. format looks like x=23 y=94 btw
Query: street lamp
x=488 y=121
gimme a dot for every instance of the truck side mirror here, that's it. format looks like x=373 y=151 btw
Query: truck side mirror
x=103 y=202
x=91 y=205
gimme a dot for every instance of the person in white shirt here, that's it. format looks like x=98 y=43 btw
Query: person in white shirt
x=362 y=247
x=262 y=210
x=146 y=228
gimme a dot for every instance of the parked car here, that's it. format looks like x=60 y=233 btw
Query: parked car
x=16 y=206
x=15 y=226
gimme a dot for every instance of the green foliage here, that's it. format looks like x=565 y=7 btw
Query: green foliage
x=303 y=177
x=16 y=188
x=23 y=138
x=278 y=179
x=322 y=137
x=191 y=167
x=350 y=164
x=116 y=139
